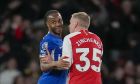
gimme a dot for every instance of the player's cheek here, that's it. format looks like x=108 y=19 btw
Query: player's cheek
x=52 y=26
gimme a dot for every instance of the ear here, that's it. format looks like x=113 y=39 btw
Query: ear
x=48 y=24
x=76 y=24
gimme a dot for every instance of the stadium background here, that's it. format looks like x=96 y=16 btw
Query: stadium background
x=117 y=22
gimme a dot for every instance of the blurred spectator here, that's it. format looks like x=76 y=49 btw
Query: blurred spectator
x=138 y=71
x=138 y=74
x=4 y=52
x=32 y=72
x=129 y=69
x=19 y=80
x=17 y=36
x=7 y=75
x=117 y=76
x=129 y=80
x=29 y=80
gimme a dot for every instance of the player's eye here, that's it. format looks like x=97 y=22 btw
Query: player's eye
x=53 y=22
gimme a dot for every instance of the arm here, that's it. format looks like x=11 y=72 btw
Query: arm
x=67 y=51
x=47 y=66
x=47 y=62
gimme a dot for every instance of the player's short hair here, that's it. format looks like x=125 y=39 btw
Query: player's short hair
x=84 y=17
x=48 y=13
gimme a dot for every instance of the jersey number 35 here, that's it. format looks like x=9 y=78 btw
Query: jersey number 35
x=85 y=59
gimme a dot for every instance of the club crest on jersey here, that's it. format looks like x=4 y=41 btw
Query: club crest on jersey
x=60 y=47
x=45 y=45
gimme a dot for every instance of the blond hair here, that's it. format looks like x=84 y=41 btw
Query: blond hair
x=83 y=17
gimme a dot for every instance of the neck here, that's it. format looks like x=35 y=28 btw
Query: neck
x=79 y=29
x=55 y=34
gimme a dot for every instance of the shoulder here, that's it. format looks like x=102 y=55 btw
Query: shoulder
x=47 y=38
x=46 y=41
x=95 y=35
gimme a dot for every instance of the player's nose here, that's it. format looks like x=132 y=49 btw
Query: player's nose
x=58 y=24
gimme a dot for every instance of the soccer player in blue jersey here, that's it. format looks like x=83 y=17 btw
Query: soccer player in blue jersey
x=51 y=51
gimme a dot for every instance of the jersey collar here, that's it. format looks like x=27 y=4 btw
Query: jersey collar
x=51 y=34
x=83 y=30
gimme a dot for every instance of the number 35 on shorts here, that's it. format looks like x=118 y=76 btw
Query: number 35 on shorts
x=85 y=59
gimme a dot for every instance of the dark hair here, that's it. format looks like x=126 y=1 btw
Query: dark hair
x=47 y=14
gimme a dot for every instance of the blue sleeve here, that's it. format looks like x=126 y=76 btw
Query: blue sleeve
x=45 y=44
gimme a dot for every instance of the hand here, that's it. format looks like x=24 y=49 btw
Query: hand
x=62 y=64
x=49 y=57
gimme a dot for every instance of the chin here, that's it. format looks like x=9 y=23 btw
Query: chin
x=57 y=33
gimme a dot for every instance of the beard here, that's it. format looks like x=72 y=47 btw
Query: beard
x=56 y=31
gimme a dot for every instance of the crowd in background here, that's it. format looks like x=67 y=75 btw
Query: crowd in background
x=116 y=22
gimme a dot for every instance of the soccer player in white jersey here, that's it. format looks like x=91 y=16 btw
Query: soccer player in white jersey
x=83 y=50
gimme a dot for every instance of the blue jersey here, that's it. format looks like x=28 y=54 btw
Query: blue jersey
x=54 y=45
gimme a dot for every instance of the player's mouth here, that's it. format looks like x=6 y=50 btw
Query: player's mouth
x=58 y=27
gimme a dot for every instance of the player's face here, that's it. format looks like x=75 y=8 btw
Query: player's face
x=73 y=24
x=55 y=23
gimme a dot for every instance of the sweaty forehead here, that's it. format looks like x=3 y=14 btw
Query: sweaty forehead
x=54 y=15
